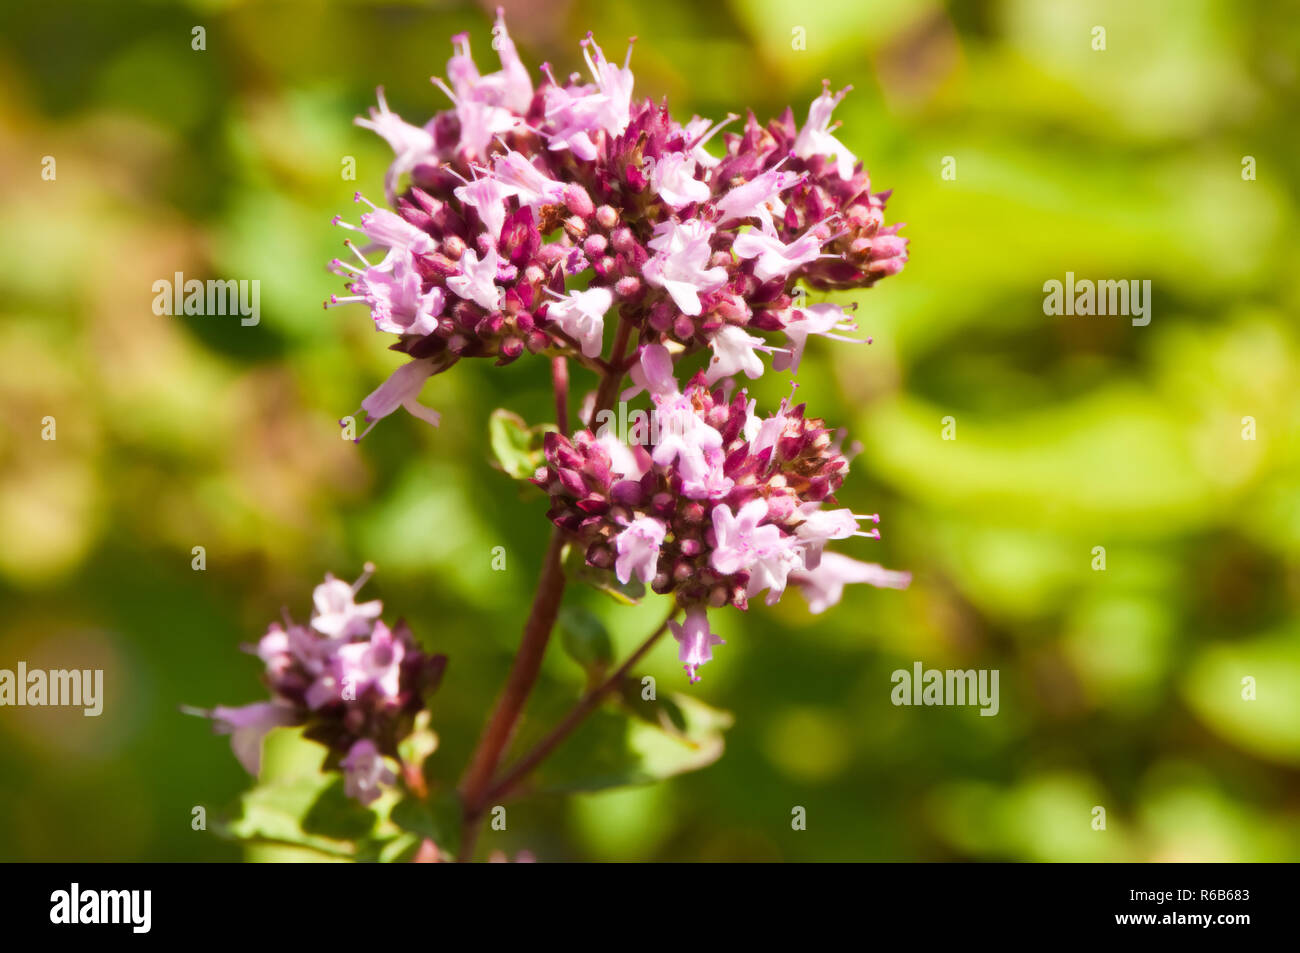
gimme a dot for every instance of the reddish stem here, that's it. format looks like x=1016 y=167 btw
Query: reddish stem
x=608 y=389
x=529 y=762
x=527 y=665
x=519 y=684
x=560 y=382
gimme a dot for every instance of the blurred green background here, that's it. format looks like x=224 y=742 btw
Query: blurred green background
x=1119 y=688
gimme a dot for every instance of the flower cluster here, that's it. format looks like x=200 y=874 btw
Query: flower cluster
x=718 y=506
x=356 y=685
x=532 y=213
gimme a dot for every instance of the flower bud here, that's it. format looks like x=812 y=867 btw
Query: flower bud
x=606 y=217
x=661 y=317
x=577 y=201
x=623 y=239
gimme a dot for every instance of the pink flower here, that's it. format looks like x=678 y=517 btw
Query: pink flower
x=375 y=664
x=337 y=615
x=346 y=655
x=824 y=586
x=398 y=303
x=275 y=650
x=821 y=526
x=477 y=279
x=673 y=177
x=247 y=726
x=578 y=114
x=815 y=137
x=816 y=319
x=611 y=108
x=775 y=258
x=521 y=178
x=684 y=438
x=740 y=539
x=514 y=88
x=487 y=197
x=638 y=550
x=653 y=371
x=758 y=198
x=411 y=145
x=695 y=641
x=401 y=390
x=480 y=123
x=581 y=315
x=687 y=440
x=573 y=123
x=399 y=236
x=699 y=131
x=709 y=483
x=364 y=772
x=764 y=551
x=681 y=265
x=734 y=352
x=486 y=106
x=631 y=463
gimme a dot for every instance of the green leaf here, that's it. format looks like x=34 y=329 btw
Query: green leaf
x=516 y=447
x=586 y=640
x=310 y=811
x=617 y=747
x=437 y=818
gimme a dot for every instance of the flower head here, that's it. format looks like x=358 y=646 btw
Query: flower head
x=721 y=506
x=355 y=684
x=530 y=214
x=516 y=188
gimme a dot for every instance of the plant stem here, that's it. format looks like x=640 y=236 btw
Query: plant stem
x=608 y=389
x=519 y=684
x=560 y=382
x=527 y=665
x=525 y=765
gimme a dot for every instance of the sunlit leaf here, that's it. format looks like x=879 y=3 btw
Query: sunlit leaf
x=516 y=447
x=615 y=747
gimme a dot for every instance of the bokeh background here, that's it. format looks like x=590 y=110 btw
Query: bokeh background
x=1119 y=688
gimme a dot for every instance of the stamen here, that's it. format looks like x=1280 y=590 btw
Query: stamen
x=437 y=81
x=367 y=571
x=353 y=249
x=714 y=129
